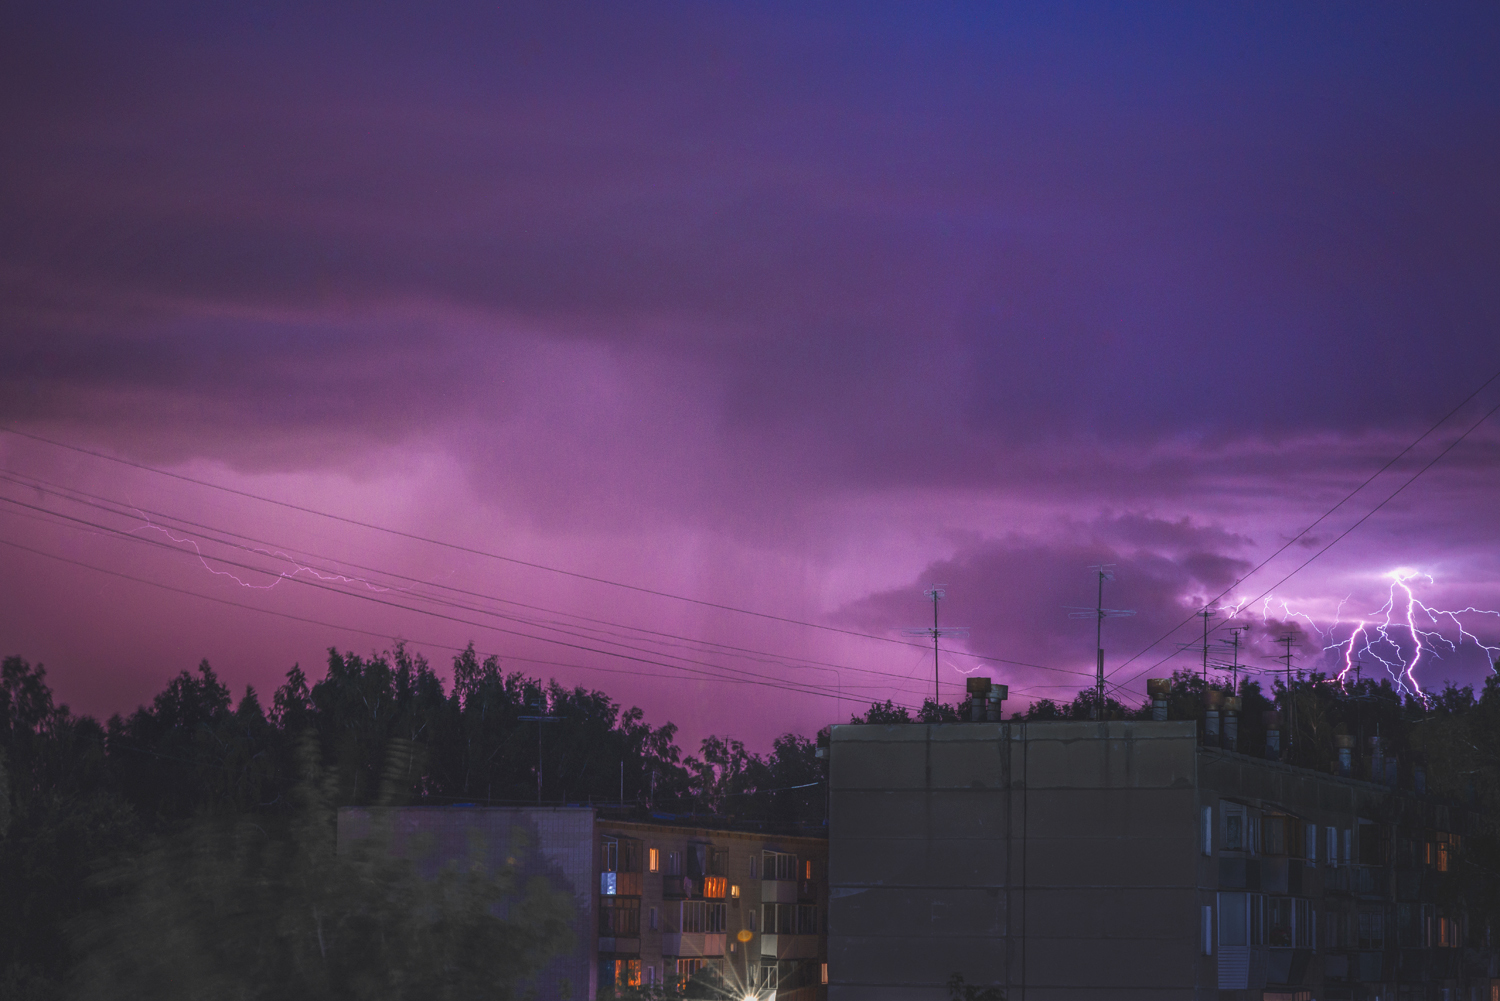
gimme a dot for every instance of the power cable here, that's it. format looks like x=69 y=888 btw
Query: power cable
x=120 y=508
x=457 y=547
x=426 y=643
x=776 y=682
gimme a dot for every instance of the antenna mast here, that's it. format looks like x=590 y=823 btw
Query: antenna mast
x=936 y=594
x=1104 y=572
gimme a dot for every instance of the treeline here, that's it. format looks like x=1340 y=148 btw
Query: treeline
x=83 y=800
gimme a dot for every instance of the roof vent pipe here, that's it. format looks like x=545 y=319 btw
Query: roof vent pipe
x=1159 y=689
x=979 y=692
x=1273 y=735
x=1345 y=745
x=1211 y=702
x=998 y=694
x=1232 y=722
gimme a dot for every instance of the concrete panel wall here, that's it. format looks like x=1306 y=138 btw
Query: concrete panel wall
x=554 y=842
x=1061 y=856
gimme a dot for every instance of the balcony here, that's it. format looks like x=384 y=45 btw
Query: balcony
x=778 y=891
x=620 y=884
x=789 y=946
x=690 y=945
x=678 y=887
x=626 y=946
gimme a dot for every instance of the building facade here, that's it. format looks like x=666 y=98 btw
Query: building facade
x=655 y=902
x=1124 y=860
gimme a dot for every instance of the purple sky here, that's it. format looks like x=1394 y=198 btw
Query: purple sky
x=796 y=313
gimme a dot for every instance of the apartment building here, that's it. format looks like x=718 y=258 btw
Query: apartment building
x=1065 y=861
x=656 y=902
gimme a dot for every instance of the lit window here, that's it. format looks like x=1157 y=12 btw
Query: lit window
x=653 y=860
x=825 y=973
x=734 y=890
x=807 y=870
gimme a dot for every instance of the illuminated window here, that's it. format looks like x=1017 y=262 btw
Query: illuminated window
x=653 y=860
x=825 y=973
x=627 y=973
x=734 y=891
x=807 y=869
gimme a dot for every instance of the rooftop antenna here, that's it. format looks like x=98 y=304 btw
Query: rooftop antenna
x=1286 y=639
x=539 y=720
x=1104 y=572
x=936 y=594
x=1234 y=664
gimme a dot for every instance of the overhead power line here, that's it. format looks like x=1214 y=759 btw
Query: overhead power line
x=487 y=554
x=110 y=506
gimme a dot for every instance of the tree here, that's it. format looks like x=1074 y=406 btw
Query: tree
x=255 y=907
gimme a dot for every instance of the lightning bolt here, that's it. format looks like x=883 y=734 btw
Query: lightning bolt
x=299 y=569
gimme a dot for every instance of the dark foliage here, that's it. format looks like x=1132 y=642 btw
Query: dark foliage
x=198 y=774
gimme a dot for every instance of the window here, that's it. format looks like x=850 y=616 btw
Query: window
x=1371 y=930
x=1348 y=853
x=674 y=863
x=718 y=862
x=687 y=967
x=621 y=855
x=652 y=919
x=1311 y=839
x=1208 y=830
x=627 y=972
x=781 y=919
x=1273 y=841
x=696 y=917
x=1257 y=919
x=752 y=866
x=1279 y=921
x=651 y=972
x=807 y=919
x=1302 y=924
x=734 y=891
x=750 y=920
x=1234 y=827
x=620 y=917
x=807 y=869
x=825 y=974
x=653 y=859
x=1234 y=916
x=778 y=865
x=1207 y=934
x=1331 y=852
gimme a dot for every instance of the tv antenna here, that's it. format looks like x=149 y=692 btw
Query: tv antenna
x=539 y=720
x=1234 y=663
x=936 y=594
x=1104 y=571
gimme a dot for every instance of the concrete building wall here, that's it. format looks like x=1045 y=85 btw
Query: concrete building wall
x=554 y=842
x=1058 y=860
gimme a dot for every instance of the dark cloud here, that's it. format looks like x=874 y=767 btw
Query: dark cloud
x=1017 y=593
